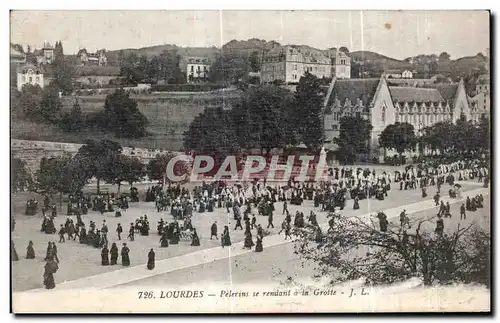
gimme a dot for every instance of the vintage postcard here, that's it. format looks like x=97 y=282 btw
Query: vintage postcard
x=227 y=161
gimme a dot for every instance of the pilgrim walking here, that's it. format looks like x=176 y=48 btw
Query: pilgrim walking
x=125 y=257
x=151 y=259
x=114 y=254
x=105 y=256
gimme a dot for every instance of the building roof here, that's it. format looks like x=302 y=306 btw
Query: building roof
x=305 y=54
x=447 y=91
x=82 y=51
x=198 y=60
x=14 y=53
x=23 y=68
x=415 y=94
x=354 y=89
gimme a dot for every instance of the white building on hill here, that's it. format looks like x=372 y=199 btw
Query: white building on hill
x=29 y=74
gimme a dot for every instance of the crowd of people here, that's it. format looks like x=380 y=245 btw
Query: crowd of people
x=246 y=201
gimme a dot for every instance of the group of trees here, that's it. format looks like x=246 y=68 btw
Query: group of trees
x=102 y=160
x=164 y=67
x=353 y=139
x=354 y=248
x=119 y=116
x=266 y=117
x=461 y=137
x=464 y=137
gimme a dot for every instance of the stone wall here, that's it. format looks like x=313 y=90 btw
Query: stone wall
x=31 y=152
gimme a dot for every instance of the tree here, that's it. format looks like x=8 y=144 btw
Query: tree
x=156 y=168
x=353 y=138
x=129 y=71
x=444 y=57
x=100 y=159
x=229 y=69
x=170 y=71
x=344 y=49
x=398 y=136
x=254 y=61
x=73 y=121
x=309 y=111
x=73 y=176
x=20 y=178
x=25 y=104
x=210 y=132
x=123 y=117
x=265 y=118
x=50 y=106
x=354 y=248
x=483 y=136
x=48 y=176
x=463 y=135
x=64 y=72
x=439 y=136
x=131 y=170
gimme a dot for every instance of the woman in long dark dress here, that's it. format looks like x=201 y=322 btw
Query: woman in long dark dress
x=175 y=236
x=151 y=259
x=195 y=240
x=258 y=245
x=248 y=241
x=114 y=254
x=164 y=240
x=225 y=238
x=49 y=251
x=30 y=252
x=382 y=221
x=125 y=257
x=105 y=256
x=50 y=269
x=424 y=192
x=356 y=203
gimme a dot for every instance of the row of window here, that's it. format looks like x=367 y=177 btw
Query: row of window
x=338 y=115
x=425 y=119
x=30 y=79
x=198 y=69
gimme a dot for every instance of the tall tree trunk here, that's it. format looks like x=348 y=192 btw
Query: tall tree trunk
x=98 y=186
x=119 y=185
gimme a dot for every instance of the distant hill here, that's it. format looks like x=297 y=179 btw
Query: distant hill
x=247 y=47
x=365 y=63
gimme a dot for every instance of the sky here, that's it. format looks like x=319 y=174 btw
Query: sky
x=397 y=34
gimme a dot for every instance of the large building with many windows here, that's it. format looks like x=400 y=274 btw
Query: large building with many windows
x=480 y=103
x=384 y=103
x=288 y=63
x=197 y=69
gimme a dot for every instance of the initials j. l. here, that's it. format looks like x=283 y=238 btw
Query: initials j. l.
x=362 y=292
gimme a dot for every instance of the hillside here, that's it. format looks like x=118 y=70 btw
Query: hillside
x=375 y=59
x=169 y=115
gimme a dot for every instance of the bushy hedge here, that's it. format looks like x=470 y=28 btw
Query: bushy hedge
x=186 y=87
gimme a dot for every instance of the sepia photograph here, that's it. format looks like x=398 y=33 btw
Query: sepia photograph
x=250 y=161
